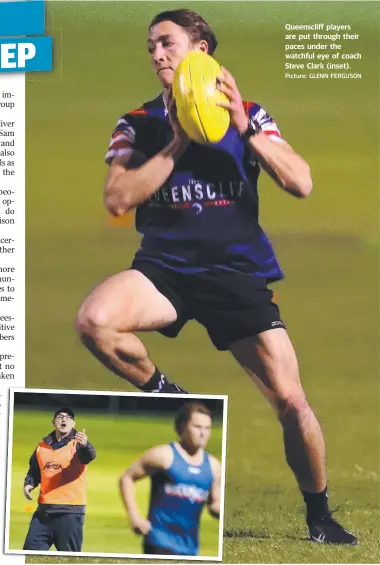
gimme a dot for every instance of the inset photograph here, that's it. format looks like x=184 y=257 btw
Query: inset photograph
x=116 y=474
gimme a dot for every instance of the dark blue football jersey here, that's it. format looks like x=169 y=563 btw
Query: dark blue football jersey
x=206 y=213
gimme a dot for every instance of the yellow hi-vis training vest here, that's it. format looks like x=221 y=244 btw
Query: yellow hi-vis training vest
x=63 y=476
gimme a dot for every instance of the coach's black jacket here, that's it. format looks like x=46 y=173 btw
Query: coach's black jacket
x=86 y=454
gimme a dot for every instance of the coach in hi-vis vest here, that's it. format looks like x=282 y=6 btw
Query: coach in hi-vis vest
x=59 y=466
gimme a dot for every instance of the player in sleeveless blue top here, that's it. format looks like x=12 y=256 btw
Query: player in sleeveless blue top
x=177 y=499
x=204 y=255
x=184 y=479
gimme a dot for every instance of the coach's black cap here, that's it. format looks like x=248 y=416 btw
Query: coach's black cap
x=64 y=410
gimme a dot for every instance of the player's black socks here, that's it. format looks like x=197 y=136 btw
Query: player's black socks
x=317 y=505
x=322 y=526
x=159 y=383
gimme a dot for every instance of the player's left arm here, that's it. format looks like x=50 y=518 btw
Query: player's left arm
x=288 y=169
x=85 y=450
x=213 y=503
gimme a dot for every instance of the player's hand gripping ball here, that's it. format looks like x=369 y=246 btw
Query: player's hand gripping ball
x=196 y=97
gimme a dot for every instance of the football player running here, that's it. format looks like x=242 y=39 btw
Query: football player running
x=184 y=478
x=204 y=255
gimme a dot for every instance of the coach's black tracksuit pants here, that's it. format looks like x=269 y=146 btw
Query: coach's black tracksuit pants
x=63 y=530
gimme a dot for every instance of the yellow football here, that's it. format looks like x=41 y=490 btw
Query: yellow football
x=196 y=97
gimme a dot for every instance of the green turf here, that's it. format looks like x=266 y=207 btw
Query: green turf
x=328 y=246
x=119 y=440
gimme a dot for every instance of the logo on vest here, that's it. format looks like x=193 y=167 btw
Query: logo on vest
x=52 y=466
x=189 y=492
x=194 y=470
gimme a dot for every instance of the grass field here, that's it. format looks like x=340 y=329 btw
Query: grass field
x=119 y=440
x=328 y=246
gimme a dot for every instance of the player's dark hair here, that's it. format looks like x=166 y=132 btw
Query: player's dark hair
x=185 y=412
x=194 y=25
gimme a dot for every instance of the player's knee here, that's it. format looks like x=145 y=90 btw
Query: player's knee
x=291 y=404
x=92 y=322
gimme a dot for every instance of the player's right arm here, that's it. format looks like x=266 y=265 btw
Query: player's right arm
x=151 y=462
x=33 y=476
x=133 y=178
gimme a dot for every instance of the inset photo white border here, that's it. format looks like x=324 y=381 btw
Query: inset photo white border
x=61 y=393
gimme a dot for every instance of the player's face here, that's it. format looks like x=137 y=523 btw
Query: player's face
x=168 y=44
x=197 y=430
x=63 y=423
